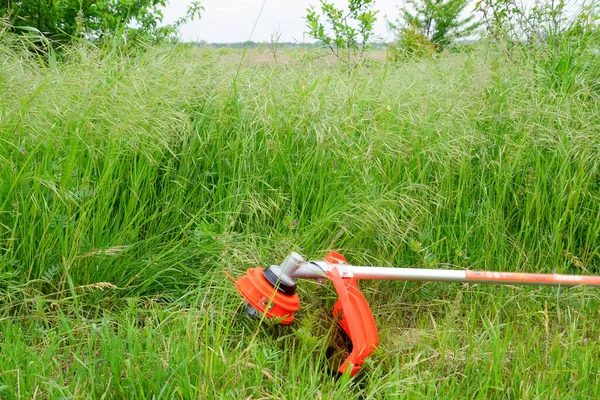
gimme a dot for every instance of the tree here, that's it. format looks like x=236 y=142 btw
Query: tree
x=347 y=33
x=62 y=20
x=439 y=21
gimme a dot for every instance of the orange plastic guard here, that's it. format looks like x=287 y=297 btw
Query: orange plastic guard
x=355 y=317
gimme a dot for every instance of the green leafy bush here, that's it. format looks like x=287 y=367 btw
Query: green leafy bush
x=62 y=20
x=347 y=33
x=410 y=43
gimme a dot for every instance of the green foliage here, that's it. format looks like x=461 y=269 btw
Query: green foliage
x=507 y=19
x=556 y=40
x=128 y=184
x=439 y=21
x=62 y=20
x=410 y=43
x=347 y=33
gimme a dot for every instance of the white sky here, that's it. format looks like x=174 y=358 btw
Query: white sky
x=226 y=21
x=232 y=20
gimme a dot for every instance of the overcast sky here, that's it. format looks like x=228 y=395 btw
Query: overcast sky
x=232 y=20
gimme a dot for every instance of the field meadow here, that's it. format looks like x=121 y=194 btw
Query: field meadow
x=130 y=180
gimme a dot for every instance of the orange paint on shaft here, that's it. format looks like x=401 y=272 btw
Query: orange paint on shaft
x=531 y=279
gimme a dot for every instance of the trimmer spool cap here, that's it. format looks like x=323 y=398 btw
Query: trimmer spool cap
x=264 y=297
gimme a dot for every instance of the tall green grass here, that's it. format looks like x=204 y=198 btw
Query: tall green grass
x=128 y=183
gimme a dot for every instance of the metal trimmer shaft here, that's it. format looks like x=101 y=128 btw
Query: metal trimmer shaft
x=318 y=269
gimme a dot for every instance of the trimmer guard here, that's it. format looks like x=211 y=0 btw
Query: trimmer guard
x=354 y=315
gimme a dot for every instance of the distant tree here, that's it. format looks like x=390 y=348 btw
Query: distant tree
x=439 y=21
x=64 y=19
x=347 y=33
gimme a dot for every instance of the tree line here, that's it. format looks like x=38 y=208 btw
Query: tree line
x=422 y=27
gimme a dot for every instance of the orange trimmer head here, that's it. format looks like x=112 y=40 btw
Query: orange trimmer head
x=272 y=292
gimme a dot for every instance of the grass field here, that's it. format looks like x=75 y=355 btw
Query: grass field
x=128 y=183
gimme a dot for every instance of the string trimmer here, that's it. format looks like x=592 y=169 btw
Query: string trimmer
x=272 y=292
